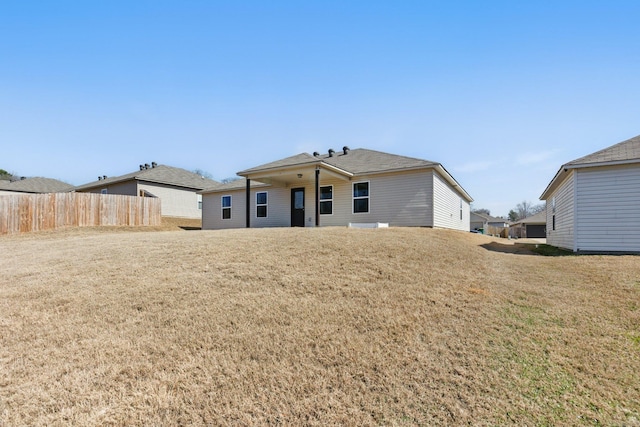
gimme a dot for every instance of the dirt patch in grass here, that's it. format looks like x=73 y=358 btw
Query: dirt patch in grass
x=331 y=326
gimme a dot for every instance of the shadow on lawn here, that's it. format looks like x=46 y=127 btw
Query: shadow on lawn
x=527 y=249
x=507 y=249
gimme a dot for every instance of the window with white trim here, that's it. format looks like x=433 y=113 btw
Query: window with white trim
x=326 y=200
x=226 y=207
x=261 y=204
x=103 y=191
x=361 y=197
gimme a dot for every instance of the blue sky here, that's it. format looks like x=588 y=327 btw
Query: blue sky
x=500 y=92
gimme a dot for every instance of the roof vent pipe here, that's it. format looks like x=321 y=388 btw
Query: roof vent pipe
x=331 y=152
x=141 y=167
x=154 y=164
x=104 y=176
x=345 y=149
x=99 y=178
x=146 y=165
x=316 y=154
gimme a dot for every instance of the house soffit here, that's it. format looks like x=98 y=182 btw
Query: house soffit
x=297 y=175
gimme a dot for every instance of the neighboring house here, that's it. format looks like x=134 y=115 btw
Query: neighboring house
x=177 y=188
x=593 y=203
x=33 y=185
x=359 y=186
x=533 y=227
x=488 y=224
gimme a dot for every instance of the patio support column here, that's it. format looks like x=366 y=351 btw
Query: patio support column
x=317 y=197
x=248 y=203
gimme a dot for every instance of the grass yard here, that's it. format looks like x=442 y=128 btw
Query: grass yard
x=330 y=326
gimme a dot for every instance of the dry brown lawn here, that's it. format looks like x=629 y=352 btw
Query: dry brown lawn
x=330 y=326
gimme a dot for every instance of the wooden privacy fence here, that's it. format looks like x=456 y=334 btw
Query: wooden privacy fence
x=35 y=212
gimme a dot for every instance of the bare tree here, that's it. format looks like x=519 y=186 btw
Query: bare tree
x=525 y=209
x=203 y=173
x=230 y=179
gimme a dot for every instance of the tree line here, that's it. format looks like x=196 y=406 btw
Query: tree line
x=522 y=210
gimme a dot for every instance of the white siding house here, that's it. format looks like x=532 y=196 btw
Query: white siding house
x=337 y=189
x=593 y=203
x=177 y=189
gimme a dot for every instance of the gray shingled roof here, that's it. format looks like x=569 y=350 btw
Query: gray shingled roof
x=539 y=218
x=359 y=161
x=623 y=151
x=36 y=185
x=161 y=174
x=297 y=160
x=238 y=184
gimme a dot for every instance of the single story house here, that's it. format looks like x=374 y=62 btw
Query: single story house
x=593 y=203
x=488 y=224
x=178 y=189
x=533 y=227
x=357 y=187
x=33 y=186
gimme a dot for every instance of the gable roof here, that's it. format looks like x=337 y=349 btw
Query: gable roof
x=36 y=185
x=539 y=218
x=625 y=152
x=356 y=162
x=302 y=159
x=160 y=174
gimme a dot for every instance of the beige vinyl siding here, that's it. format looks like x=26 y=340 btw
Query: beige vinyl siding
x=446 y=201
x=278 y=207
x=212 y=210
x=608 y=209
x=342 y=202
x=563 y=235
x=10 y=193
x=400 y=199
x=175 y=202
